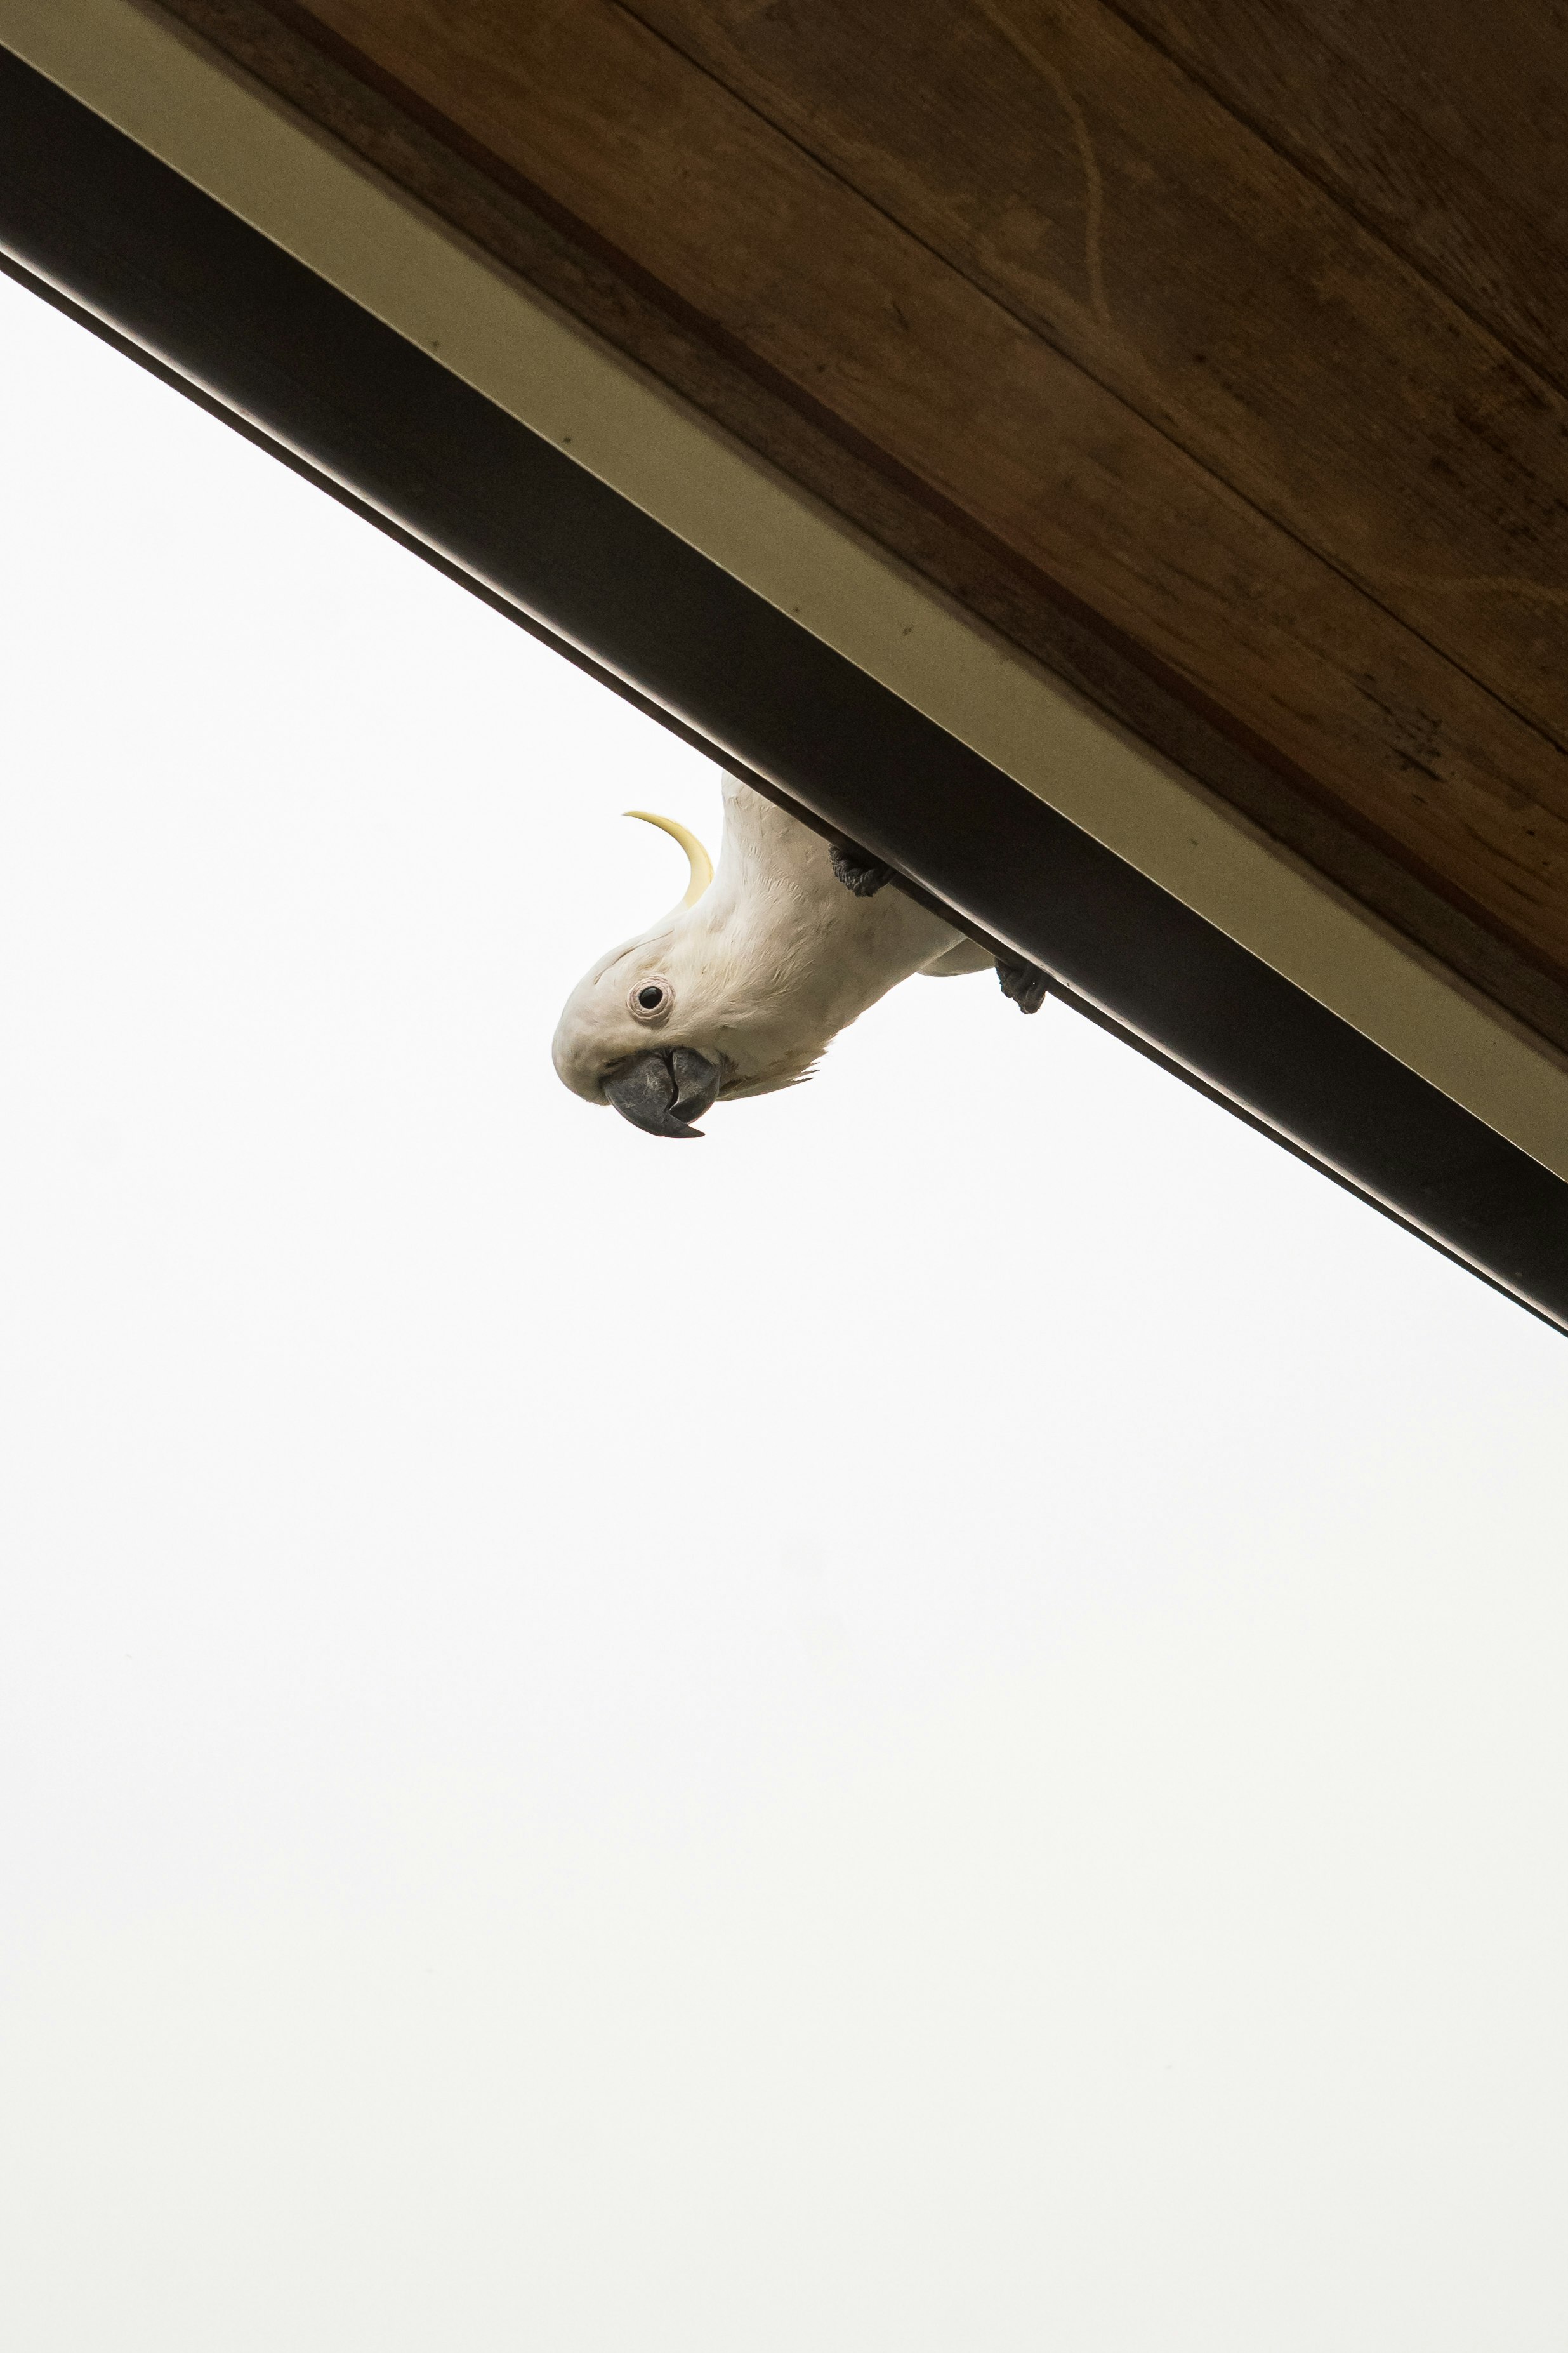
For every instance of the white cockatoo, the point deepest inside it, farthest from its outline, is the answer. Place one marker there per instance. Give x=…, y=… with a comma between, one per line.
x=741, y=988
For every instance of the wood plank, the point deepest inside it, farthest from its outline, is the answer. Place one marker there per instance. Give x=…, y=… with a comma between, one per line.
x=1048, y=152
x=1439, y=122
x=428, y=158
x=849, y=309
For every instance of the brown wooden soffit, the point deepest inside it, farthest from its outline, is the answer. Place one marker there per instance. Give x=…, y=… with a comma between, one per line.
x=1212, y=350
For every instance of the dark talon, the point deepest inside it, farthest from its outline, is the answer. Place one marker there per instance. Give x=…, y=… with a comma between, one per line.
x=1024, y=984
x=858, y=872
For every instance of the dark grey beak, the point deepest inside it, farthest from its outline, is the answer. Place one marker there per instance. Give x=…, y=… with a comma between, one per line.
x=664, y=1090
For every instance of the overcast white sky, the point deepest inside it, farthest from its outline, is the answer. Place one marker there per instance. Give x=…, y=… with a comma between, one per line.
x=939, y=1725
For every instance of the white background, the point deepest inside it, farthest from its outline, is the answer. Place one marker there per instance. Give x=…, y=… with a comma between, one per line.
x=938, y=1726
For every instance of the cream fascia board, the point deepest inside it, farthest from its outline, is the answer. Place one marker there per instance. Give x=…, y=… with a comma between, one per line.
x=166, y=90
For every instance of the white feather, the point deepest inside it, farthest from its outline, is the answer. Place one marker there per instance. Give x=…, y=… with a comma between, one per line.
x=773, y=961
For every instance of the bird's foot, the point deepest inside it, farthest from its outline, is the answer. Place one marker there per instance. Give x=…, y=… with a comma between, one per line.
x=858, y=872
x=1024, y=984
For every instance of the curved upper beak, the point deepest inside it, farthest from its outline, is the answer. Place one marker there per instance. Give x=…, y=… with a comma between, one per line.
x=663, y=1089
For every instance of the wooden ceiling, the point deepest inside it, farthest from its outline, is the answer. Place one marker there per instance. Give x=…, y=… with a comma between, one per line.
x=1212, y=350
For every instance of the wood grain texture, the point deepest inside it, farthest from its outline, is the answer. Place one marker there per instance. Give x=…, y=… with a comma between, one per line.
x=591, y=152
x=1089, y=186
x=422, y=151
x=1439, y=122
x=856, y=311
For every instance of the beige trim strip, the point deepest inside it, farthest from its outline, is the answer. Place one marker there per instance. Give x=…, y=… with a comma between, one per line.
x=243, y=146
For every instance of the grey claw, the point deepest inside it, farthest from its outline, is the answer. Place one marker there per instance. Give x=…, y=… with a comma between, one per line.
x=858, y=873
x=1024, y=984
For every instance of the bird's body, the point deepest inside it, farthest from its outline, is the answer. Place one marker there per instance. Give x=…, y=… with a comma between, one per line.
x=743, y=990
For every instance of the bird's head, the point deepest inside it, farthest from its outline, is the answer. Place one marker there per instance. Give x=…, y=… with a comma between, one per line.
x=655, y=1027
x=741, y=988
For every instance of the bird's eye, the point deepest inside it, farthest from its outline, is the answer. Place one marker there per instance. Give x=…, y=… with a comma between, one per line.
x=649, y=999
